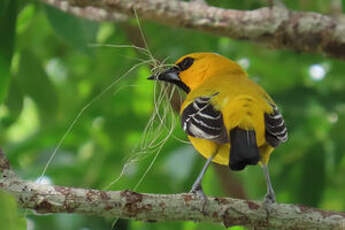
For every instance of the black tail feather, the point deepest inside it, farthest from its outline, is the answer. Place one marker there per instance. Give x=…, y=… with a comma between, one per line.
x=243, y=150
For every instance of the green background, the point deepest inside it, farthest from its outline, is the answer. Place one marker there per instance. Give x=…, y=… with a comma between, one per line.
x=49, y=73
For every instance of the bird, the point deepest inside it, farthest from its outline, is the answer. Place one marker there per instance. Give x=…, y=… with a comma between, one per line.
x=229, y=119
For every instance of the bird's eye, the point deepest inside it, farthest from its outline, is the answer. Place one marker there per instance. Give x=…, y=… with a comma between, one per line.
x=185, y=63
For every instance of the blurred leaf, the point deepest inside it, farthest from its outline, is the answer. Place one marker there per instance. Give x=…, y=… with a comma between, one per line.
x=312, y=182
x=337, y=136
x=121, y=224
x=25, y=17
x=8, y=11
x=9, y=215
x=14, y=103
x=77, y=32
x=36, y=84
x=236, y=228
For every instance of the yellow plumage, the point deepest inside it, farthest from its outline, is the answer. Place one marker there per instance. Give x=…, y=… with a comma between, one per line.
x=241, y=101
x=229, y=119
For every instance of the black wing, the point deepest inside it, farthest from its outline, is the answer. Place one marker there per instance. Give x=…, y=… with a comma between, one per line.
x=276, y=131
x=200, y=119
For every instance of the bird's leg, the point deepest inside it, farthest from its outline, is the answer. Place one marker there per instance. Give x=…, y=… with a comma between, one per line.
x=197, y=183
x=197, y=188
x=270, y=197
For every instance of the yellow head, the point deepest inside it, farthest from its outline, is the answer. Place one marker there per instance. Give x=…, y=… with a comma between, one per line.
x=193, y=69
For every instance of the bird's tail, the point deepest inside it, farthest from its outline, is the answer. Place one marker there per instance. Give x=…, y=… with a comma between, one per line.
x=243, y=146
x=243, y=149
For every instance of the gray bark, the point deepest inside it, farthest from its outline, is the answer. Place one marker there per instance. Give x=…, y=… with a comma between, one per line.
x=275, y=26
x=46, y=199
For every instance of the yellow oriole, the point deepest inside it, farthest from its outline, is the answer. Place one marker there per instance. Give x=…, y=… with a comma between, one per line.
x=229, y=119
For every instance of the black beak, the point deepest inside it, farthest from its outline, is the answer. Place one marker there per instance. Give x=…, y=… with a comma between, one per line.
x=171, y=75
x=152, y=77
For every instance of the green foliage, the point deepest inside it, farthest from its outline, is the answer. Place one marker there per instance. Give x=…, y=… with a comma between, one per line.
x=77, y=32
x=8, y=12
x=9, y=216
x=35, y=83
x=56, y=74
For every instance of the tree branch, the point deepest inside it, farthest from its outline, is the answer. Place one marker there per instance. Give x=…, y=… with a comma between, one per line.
x=91, y=13
x=152, y=207
x=274, y=26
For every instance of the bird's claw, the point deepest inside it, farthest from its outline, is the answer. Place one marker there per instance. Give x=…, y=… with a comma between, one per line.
x=198, y=191
x=269, y=199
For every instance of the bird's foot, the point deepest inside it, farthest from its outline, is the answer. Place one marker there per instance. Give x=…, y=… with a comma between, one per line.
x=269, y=199
x=198, y=191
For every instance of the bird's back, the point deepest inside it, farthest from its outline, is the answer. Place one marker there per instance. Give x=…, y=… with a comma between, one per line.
x=242, y=103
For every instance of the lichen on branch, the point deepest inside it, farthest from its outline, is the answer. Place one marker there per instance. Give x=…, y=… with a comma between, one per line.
x=275, y=26
x=49, y=199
